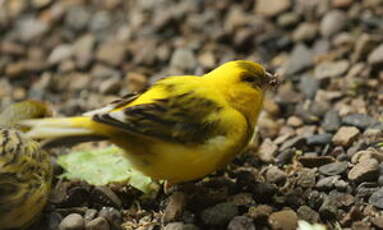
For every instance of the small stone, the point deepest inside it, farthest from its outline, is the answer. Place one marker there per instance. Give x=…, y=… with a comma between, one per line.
x=275, y=175
x=306, y=178
x=305, y=32
x=300, y=59
x=315, y=161
x=345, y=136
x=333, y=168
x=367, y=170
x=271, y=7
x=99, y=223
x=100, y=21
x=77, y=18
x=83, y=50
x=288, y=19
x=284, y=220
x=309, y=85
x=294, y=121
x=376, y=56
x=73, y=221
x=378, y=221
x=327, y=183
x=110, y=86
x=267, y=151
x=331, y=121
x=183, y=59
x=219, y=214
x=40, y=3
x=30, y=28
x=241, y=223
x=180, y=226
x=242, y=199
x=341, y=3
x=293, y=142
x=90, y=214
x=331, y=69
x=308, y=214
x=260, y=212
x=60, y=53
x=329, y=207
x=175, y=207
x=112, y=53
x=333, y=22
x=112, y=215
x=319, y=139
x=136, y=81
x=360, y=225
x=361, y=121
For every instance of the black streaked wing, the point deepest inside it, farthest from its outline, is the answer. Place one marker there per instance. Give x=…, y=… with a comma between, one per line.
x=181, y=118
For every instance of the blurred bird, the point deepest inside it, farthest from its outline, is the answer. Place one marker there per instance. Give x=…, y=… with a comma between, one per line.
x=182, y=128
x=25, y=169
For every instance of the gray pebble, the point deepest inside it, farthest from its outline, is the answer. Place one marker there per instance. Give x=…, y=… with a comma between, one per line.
x=241, y=223
x=99, y=223
x=183, y=59
x=333, y=22
x=376, y=199
x=319, y=139
x=309, y=85
x=180, y=226
x=301, y=58
x=331, y=121
x=333, y=168
x=73, y=221
x=361, y=121
x=376, y=56
x=219, y=214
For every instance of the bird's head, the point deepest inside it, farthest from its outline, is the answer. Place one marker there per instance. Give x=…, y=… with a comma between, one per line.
x=245, y=74
x=243, y=83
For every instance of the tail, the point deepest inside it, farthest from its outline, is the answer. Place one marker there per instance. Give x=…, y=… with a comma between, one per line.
x=62, y=131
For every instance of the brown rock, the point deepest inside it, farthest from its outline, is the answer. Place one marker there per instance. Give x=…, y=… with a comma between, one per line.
x=267, y=150
x=260, y=212
x=345, y=135
x=367, y=170
x=112, y=53
x=174, y=207
x=378, y=221
x=271, y=7
x=284, y=220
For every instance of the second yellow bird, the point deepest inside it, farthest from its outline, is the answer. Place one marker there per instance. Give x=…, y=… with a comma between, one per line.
x=180, y=129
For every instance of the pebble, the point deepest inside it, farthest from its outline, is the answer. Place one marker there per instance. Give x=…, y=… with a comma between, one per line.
x=286, y=220
x=345, y=135
x=300, y=59
x=60, y=53
x=331, y=121
x=267, y=150
x=331, y=69
x=306, y=178
x=376, y=199
x=319, y=139
x=366, y=170
x=305, y=32
x=333, y=168
x=361, y=121
x=183, y=59
x=112, y=53
x=110, y=86
x=315, y=161
x=333, y=22
x=219, y=214
x=309, y=85
x=112, y=215
x=376, y=56
x=329, y=207
x=260, y=212
x=30, y=28
x=180, y=226
x=308, y=214
x=288, y=19
x=175, y=207
x=77, y=17
x=73, y=221
x=100, y=21
x=294, y=121
x=275, y=175
x=378, y=221
x=98, y=223
x=327, y=183
x=241, y=223
x=83, y=50
x=271, y=8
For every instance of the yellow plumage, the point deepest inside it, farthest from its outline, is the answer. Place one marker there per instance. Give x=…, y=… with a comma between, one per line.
x=180, y=129
x=25, y=179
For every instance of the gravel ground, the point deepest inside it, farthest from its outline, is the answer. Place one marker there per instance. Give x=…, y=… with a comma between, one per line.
x=319, y=157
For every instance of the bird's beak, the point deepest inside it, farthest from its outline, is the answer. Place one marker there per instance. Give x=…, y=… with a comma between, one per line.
x=273, y=79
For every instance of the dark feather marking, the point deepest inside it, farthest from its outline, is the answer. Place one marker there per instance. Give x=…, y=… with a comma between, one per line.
x=176, y=119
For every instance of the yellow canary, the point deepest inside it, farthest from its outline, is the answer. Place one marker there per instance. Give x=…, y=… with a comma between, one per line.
x=25, y=169
x=25, y=179
x=182, y=128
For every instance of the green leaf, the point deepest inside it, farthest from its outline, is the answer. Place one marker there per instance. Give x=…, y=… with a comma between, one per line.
x=104, y=166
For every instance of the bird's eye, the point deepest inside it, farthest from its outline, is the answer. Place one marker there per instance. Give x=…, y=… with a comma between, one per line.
x=248, y=78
